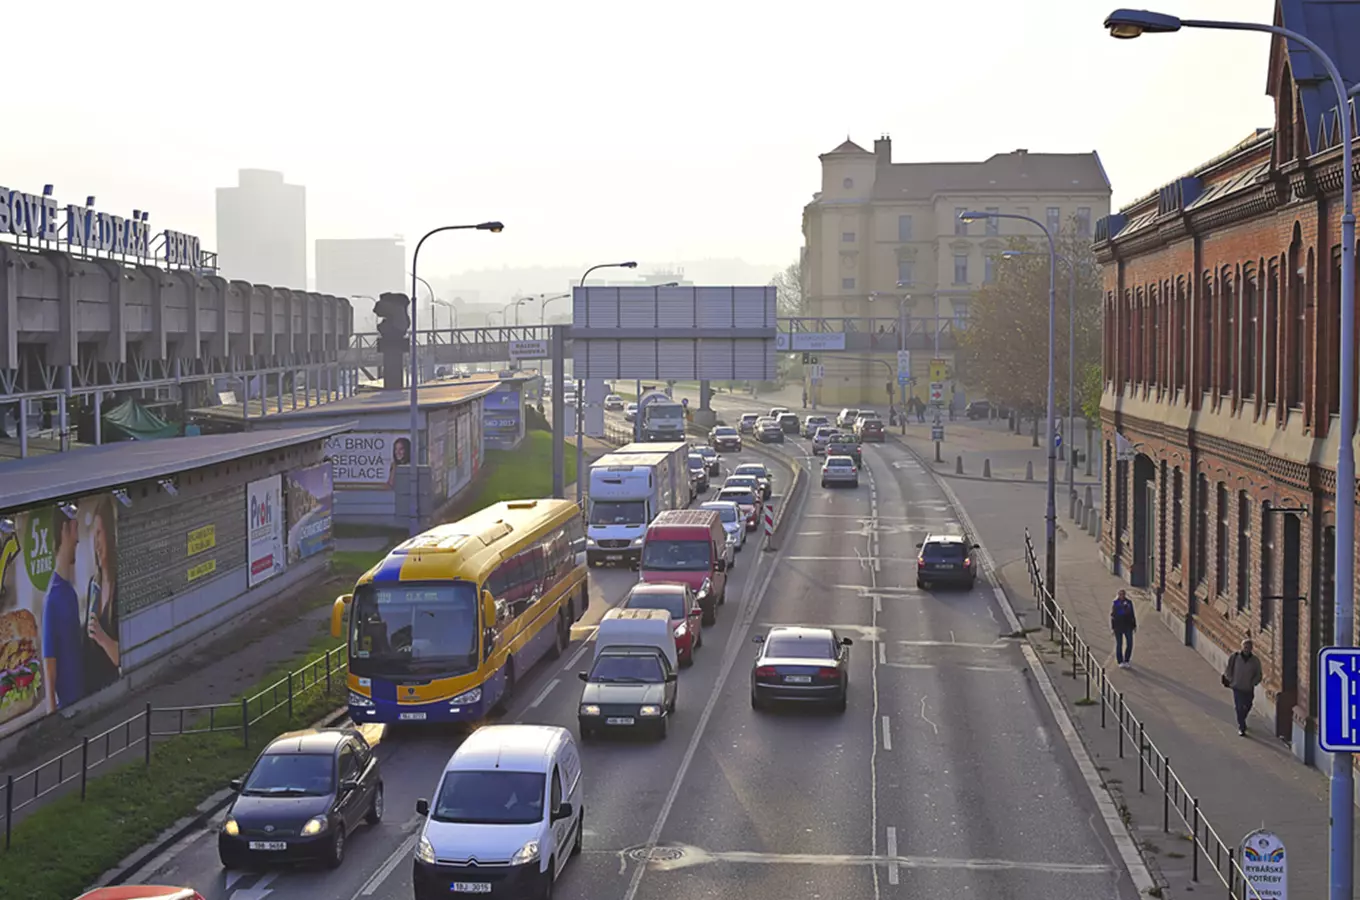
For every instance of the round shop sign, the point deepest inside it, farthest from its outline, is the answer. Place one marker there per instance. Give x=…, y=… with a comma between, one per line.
x=1265, y=864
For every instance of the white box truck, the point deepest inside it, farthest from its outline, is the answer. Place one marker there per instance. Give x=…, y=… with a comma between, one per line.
x=678, y=451
x=627, y=491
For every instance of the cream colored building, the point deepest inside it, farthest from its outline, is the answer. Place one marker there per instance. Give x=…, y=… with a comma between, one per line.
x=876, y=224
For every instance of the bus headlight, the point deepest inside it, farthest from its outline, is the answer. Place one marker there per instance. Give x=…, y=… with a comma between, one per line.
x=425, y=850
x=359, y=700
x=650, y=711
x=526, y=854
x=315, y=825
x=467, y=697
x=589, y=709
x=230, y=828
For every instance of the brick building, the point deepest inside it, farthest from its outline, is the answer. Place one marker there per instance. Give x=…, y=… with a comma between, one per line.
x=1221, y=394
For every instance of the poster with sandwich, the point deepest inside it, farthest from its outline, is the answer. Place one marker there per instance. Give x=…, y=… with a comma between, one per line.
x=59, y=640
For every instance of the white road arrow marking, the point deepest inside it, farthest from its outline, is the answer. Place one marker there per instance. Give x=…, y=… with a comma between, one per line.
x=257, y=891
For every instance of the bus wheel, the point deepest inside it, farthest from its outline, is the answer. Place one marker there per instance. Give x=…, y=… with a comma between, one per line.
x=562, y=638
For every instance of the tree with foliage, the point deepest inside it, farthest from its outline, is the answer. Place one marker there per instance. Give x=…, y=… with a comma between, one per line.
x=1089, y=390
x=1005, y=344
x=789, y=290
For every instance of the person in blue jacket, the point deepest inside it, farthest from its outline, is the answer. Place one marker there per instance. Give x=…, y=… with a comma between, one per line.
x=1123, y=622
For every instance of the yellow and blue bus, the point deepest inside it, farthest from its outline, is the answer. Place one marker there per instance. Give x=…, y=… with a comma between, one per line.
x=439, y=630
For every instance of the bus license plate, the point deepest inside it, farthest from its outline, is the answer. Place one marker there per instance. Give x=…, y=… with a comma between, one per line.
x=472, y=887
x=268, y=845
x=619, y=720
x=412, y=717
x=798, y=679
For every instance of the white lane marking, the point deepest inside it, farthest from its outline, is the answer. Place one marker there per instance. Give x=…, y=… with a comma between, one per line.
x=860, y=518
x=901, y=665
x=873, y=744
x=926, y=718
x=575, y=657
x=892, y=855
x=999, y=645
x=878, y=603
x=736, y=641
x=543, y=694
x=384, y=872
x=697, y=856
x=882, y=654
x=257, y=891
x=858, y=559
x=887, y=745
x=1119, y=831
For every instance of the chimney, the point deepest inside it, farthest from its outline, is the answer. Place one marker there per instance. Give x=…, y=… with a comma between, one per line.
x=1021, y=152
x=883, y=151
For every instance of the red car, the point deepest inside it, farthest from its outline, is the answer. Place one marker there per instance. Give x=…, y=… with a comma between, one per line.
x=689, y=546
x=141, y=892
x=678, y=600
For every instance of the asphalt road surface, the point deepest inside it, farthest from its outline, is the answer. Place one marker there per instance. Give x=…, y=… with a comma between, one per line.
x=946, y=776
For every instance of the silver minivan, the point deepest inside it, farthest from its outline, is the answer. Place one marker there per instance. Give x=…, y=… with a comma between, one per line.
x=507, y=815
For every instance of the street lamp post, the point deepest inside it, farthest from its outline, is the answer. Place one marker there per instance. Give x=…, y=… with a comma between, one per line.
x=453, y=312
x=413, y=372
x=1128, y=23
x=434, y=298
x=543, y=305
x=505, y=313
x=581, y=393
x=1051, y=510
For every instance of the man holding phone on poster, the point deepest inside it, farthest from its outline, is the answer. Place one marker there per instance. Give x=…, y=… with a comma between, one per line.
x=63, y=637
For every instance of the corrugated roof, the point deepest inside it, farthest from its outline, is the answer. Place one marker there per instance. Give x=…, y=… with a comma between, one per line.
x=1335, y=26
x=58, y=476
x=1016, y=172
x=428, y=396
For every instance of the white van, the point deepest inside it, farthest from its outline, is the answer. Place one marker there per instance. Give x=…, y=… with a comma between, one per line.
x=507, y=815
x=638, y=628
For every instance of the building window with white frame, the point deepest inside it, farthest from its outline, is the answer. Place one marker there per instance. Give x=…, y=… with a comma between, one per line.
x=906, y=271
x=960, y=268
x=961, y=315
x=993, y=224
x=1053, y=219
x=904, y=228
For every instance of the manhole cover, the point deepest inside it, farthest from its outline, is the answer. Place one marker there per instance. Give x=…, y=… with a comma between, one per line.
x=656, y=854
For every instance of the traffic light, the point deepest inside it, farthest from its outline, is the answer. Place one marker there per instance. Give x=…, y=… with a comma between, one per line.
x=809, y=359
x=394, y=320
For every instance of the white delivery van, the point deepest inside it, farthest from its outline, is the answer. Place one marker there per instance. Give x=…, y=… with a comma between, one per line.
x=507, y=815
x=638, y=628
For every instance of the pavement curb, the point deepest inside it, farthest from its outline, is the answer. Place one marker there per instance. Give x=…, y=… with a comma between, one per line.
x=1130, y=851
x=214, y=804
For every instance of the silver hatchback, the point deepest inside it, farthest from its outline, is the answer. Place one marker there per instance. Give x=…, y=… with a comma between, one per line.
x=839, y=470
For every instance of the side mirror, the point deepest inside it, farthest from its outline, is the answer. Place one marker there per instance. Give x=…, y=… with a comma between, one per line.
x=422, y=807
x=977, y=546
x=237, y=784
x=846, y=642
x=584, y=676
x=758, y=639
x=920, y=545
x=349, y=784
x=564, y=811
x=672, y=678
x=722, y=565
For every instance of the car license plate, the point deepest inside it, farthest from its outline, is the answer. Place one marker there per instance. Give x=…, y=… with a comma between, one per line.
x=609, y=556
x=945, y=566
x=619, y=720
x=471, y=887
x=798, y=679
x=268, y=845
x=412, y=717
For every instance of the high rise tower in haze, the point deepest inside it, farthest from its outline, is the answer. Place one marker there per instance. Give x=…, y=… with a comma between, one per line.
x=367, y=267
x=262, y=230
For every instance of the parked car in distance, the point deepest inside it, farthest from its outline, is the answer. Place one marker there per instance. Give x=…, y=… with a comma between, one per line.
x=847, y=417
x=762, y=475
x=823, y=436
x=711, y=458
x=846, y=446
x=613, y=402
x=812, y=423
x=301, y=799
x=983, y=409
x=769, y=431
x=724, y=437
x=789, y=422
x=698, y=472
x=946, y=559
x=748, y=422
x=801, y=664
x=839, y=470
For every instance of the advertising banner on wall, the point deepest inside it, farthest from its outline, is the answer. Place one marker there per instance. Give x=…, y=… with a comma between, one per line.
x=58, y=579
x=500, y=418
x=264, y=529
x=309, y=496
x=367, y=460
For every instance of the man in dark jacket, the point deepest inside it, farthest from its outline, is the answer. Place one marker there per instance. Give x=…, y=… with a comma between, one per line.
x=1123, y=622
x=1243, y=674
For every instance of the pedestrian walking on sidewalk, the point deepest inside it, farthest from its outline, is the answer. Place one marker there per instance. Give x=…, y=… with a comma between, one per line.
x=1123, y=622
x=1242, y=675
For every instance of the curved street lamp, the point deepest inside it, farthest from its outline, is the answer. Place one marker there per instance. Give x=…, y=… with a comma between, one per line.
x=581, y=391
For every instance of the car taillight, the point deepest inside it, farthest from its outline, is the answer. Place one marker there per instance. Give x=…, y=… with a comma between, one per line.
x=765, y=672
x=920, y=563
x=967, y=563
x=832, y=674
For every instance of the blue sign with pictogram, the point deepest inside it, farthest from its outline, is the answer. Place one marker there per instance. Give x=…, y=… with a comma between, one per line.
x=1338, y=714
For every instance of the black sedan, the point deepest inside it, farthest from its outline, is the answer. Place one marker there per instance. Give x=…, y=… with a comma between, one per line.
x=698, y=472
x=946, y=559
x=711, y=458
x=801, y=664
x=306, y=792
x=724, y=437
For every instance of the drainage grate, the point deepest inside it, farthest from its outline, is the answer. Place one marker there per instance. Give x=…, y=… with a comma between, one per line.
x=656, y=854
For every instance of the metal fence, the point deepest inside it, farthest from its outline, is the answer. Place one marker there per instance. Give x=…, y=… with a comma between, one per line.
x=139, y=732
x=1177, y=800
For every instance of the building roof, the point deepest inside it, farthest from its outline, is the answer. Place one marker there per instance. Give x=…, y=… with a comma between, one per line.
x=436, y=395
x=58, y=476
x=848, y=146
x=1335, y=26
x=1018, y=172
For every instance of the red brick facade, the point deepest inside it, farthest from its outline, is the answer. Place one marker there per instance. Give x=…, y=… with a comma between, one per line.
x=1221, y=310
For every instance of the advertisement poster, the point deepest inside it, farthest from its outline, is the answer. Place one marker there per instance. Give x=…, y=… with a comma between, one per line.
x=58, y=616
x=368, y=459
x=264, y=528
x=475, y=445
x=500, y=418
x=309, y=495
x=438, y=424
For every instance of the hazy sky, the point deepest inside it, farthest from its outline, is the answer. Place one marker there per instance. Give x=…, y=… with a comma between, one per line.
x=598, y=129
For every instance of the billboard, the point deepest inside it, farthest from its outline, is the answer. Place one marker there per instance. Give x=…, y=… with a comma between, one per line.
x=59, y=639
x=309, y=495
x=501, y=418
x=368, y=460
x=264, y=529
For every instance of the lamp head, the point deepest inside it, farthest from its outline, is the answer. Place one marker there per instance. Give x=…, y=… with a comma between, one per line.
x=1127, y=24
x=628, y=265
x=1011, y=254
x=493, y=227
x=974, y=216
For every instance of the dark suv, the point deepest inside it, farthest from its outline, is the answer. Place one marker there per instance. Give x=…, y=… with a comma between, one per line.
x=946, y=559
x=789, y=422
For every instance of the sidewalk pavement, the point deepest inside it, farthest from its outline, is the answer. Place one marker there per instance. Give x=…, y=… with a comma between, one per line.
x=980, y=441
x=1241, y=784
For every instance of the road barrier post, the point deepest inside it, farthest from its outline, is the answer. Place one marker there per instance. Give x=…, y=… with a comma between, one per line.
x=769, y=527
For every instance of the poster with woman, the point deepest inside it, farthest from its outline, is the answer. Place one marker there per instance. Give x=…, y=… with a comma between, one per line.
x=59, y=639
x=309, y=495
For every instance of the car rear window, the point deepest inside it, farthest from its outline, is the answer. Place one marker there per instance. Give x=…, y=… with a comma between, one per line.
x=841, y=462
x=946, y=552
x=737, y=495
x=800, y=648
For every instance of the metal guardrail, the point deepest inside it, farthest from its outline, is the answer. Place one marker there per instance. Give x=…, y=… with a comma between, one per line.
x=1220, y=856
x=141, y=731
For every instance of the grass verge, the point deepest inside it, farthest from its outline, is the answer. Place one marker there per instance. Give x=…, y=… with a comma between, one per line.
x=519, y=474
x=61, y=848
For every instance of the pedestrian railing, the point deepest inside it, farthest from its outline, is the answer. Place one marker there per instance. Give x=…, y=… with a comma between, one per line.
x=139, y=732
x=1132, y=736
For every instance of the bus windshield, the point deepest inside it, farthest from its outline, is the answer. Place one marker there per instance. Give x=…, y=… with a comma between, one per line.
x=410, y=629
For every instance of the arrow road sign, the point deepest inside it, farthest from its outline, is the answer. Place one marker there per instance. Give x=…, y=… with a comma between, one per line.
x=1339, y=730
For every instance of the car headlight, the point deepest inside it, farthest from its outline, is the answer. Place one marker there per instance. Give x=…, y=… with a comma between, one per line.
x=704, y=588
x=425, y=850
x=681, y=630
x=315, y=825
x=650, y=711
x=472, y=696
x=589, y=709
x=590, y=542
x=526, y=854
x=359, y=700
x=637, y=542
x=230, y=828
